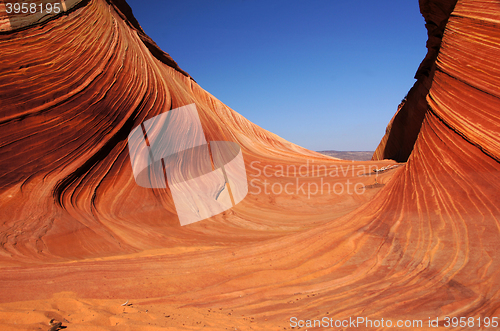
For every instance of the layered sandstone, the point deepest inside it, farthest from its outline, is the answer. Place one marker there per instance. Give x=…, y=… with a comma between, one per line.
x=403, y=129
x=79, y=237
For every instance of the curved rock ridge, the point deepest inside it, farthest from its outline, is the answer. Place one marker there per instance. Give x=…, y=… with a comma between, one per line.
x=480, y=18
x=78, y=233
x=68, y=106
x=404, y=127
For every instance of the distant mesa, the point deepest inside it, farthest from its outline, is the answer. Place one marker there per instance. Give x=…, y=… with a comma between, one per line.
x=349, y=155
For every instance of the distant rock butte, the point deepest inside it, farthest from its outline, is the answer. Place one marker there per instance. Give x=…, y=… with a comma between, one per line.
x=349, y=155
x=76, y=232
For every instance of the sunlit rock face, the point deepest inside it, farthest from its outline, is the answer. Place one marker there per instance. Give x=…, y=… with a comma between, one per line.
x=452, y=173
x=73, y=87
x=420, y=241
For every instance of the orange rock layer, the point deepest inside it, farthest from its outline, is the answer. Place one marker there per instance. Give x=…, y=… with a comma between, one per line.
x=404, y=127
x=421, y=241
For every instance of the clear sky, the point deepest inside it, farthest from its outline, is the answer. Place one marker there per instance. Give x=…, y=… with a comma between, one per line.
x=326, y=75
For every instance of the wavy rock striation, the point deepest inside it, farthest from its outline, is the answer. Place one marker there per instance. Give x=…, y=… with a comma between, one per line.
x=420, y=241
x=70, y=97
x=404, y=127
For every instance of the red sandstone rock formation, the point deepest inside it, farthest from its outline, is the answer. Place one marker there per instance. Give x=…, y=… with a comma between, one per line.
x=403, y=129
x=78, y=236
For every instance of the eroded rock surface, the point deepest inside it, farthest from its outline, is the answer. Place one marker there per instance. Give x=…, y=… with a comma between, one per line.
x=79, y=237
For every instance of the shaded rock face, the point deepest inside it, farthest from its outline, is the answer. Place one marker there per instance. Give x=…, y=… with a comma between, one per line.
x=403, y=129
x=421, y=242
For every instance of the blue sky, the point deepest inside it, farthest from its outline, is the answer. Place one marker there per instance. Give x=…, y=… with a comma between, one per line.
x=326, y=75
